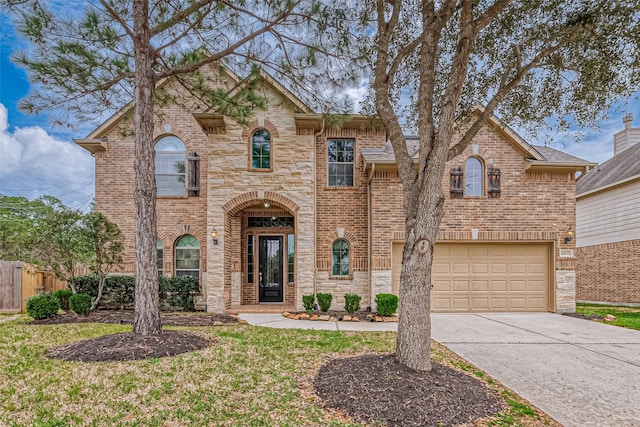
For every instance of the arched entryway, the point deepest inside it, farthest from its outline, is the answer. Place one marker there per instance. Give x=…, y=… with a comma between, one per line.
x=260, y=250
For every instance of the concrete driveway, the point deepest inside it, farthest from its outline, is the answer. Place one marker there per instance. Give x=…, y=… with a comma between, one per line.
x=581, y=373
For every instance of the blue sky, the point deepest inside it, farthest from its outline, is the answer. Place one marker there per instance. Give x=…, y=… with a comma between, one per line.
x=38, y=159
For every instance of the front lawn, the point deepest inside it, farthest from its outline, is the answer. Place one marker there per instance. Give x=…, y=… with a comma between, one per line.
x=628, y=317
x=248, y=376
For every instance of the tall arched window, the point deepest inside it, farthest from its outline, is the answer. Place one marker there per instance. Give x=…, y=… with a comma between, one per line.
x=340, y=258
x=171, y=166
x=261, y=149
x=473, y=177
x=187, y=257
x=160, y=252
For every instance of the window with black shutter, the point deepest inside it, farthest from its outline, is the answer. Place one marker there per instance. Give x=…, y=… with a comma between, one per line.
x=193, y=184
x=494, y=182
x=456, y=183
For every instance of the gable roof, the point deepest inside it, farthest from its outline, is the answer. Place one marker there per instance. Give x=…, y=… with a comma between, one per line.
x=94, y=142
x=621, y=168
x=535, y=155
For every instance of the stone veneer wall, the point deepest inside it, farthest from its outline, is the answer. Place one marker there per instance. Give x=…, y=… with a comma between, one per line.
x=357, y=284
x=233, y=187
x=609, y=272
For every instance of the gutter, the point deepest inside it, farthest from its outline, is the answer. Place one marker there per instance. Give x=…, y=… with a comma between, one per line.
x=371, y=172
x=315, y=206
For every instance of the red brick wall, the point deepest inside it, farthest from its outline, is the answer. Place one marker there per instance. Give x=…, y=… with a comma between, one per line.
x=344, y=207
x=529, y=205
x=176, y=215
x=609, y=272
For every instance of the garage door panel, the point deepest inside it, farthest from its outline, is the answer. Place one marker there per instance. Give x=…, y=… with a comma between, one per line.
x=460, y=268
x=460, y=286
x=487, y=277
x=499, y=286
x=479, y=285
x=517, y=268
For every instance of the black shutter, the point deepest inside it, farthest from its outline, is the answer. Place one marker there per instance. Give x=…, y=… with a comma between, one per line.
x=456, y=183
x=494, y=182
x=193, y=184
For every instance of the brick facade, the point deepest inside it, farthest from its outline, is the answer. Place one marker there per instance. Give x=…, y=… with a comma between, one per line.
x=609, y=273
x=534, y=205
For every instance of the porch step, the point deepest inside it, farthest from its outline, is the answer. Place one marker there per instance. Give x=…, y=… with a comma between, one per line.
x=259, y=308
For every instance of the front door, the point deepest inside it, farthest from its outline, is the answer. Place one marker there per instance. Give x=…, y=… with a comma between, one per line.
x=270, y=269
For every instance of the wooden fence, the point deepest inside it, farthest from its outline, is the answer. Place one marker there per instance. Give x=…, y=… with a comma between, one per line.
x=20, y=281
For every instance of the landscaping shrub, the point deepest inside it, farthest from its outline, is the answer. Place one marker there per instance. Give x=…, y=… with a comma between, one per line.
x=324, y=301
x=63, y=296
x=307, y=302
x=119, y=289
x=80, y=304
x=87, y=285
x=387, y=304
x=43, y=305
x=180, y=291
x=352, y=303
x=117, y=293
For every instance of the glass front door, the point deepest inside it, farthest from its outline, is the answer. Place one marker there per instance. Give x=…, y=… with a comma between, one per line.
x=270, y=270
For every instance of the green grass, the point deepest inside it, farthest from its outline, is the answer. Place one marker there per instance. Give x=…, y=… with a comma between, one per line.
x=249, y=376
x=627, y=317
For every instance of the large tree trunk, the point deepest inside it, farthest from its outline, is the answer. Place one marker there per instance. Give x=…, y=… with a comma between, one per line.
x=146, y=319
x=414, y=321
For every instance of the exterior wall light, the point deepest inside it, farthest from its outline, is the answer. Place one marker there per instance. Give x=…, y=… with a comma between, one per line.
x=214, y=236
x=569, y=236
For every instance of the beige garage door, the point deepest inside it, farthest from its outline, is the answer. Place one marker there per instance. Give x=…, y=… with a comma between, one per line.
x=486, y=277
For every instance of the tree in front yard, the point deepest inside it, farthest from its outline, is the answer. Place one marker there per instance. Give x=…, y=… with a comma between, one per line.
x=433, y=61
x=105, y=240
x=116, y=50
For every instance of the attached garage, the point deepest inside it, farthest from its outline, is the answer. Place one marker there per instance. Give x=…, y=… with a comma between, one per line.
x=476, y=277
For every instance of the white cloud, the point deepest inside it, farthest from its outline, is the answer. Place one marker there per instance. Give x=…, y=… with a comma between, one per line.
x=34, y=163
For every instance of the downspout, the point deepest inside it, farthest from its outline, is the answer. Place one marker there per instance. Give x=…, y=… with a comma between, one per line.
x=315, y=206
x=373, y=170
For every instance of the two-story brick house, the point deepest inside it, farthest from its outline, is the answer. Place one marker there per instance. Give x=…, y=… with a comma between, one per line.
x=288, y=205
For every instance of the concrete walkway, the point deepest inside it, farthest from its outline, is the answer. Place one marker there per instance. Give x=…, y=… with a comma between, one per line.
x=581, y=373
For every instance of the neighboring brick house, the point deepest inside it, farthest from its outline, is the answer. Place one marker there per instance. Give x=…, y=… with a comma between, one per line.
x=289, y=206
x=607, y=232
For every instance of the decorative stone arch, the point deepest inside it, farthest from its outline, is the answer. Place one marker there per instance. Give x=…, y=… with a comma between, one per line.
x=260, y=123
x=160, y=132
x=341, y=233
x=485, y=156
x=246, y=200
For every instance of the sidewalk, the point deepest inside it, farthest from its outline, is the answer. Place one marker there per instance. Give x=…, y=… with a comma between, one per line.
x=281, y=322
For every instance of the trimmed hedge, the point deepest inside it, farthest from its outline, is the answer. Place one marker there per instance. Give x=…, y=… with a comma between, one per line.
x=351, y=303
x=324, y=301
x=387, y=304
x=80, y=304
x=63, y=296
x=180, y=291
x=43, y=305
x=308, y=301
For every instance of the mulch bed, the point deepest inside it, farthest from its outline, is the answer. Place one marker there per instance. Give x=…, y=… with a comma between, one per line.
x=584, y=316
x=126, y=317
x=130, y=346
x=375, y=388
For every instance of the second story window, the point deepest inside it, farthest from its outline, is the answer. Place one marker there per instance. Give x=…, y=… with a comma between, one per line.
x=340, y=162
x=170, y=161
x=261, y=149
x=473, y=177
